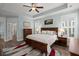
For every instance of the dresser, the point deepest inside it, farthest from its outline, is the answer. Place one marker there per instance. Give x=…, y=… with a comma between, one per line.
x=26, y=32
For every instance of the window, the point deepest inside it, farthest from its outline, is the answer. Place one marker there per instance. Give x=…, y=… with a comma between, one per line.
x=68, y=24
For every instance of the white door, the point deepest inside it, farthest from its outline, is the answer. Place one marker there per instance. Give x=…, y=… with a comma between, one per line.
x=11, y=28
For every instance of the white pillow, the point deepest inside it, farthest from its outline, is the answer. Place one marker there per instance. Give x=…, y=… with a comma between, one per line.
x=48, y=32
x=44, y=32
x=51, y=32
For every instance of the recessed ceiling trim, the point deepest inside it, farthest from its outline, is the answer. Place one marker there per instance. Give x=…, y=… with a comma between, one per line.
x=52, y=10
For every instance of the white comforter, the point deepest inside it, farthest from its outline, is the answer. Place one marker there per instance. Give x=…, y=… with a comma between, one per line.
x=44, y=38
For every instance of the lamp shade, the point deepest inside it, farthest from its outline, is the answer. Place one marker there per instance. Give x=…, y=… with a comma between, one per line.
x=37, y=29
x=61, y=30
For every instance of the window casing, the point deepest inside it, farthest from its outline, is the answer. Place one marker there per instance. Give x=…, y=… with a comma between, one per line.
x=69, y=25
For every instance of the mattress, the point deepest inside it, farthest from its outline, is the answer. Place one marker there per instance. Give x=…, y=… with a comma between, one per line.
x=44, y=38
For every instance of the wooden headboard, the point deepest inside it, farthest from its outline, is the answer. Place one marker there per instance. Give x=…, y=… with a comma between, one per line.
x=51, y=29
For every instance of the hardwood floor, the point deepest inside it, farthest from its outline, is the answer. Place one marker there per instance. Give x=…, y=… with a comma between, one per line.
x=12, y=43
x=63, y=50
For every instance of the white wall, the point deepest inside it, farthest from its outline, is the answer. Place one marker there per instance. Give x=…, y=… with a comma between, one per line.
x=57, y=19
x=31, y=22
x=40, y=22
x=21, y=20
x=20, y=29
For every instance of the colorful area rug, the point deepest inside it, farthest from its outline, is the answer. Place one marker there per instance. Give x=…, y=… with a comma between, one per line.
x=55, y=53
x=26, y=50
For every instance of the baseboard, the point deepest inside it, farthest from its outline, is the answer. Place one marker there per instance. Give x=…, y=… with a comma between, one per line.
x=73, y=54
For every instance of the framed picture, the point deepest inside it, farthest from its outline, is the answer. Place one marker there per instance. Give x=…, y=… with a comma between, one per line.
x=49, y=21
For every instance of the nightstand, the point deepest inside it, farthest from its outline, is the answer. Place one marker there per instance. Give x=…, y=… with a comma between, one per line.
x=26, y=32
x=62, y=41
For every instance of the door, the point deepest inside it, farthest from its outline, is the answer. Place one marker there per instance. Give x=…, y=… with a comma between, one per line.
x=3, y=28
x=11, y=29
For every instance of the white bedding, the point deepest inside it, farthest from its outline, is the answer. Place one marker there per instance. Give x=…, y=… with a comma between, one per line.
x=44, y=38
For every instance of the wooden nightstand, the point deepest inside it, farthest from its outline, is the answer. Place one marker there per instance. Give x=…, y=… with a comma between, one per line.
x=62, y=41
x=26, y=32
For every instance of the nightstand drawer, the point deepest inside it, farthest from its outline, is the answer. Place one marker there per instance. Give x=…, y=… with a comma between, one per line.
x=61, y=41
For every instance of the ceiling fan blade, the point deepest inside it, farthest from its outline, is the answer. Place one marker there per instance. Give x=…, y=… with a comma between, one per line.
x=30, y=10
x=40, y=7
x=37, y=10
x=26, y=6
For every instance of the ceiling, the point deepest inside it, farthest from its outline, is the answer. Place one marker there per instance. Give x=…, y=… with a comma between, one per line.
x=15, y=9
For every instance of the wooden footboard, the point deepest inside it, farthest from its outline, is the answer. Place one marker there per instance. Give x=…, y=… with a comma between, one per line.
x=37, y=45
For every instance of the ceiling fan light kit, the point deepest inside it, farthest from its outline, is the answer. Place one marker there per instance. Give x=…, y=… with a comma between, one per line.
x=33, y=7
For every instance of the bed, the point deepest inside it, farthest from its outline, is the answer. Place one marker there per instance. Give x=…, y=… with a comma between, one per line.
x=42, y=41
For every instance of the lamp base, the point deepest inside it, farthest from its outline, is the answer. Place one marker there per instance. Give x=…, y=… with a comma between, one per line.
x=61, y=35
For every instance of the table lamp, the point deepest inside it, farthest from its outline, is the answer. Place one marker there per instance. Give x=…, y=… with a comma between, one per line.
x=61, y=31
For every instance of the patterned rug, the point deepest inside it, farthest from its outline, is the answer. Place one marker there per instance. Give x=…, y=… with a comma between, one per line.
x=26, y=50
x=55, y=53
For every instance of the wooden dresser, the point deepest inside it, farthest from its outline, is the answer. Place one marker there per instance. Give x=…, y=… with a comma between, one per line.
x=26, y=32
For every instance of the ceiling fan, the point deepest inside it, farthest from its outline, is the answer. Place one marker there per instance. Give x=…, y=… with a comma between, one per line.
x=34, y=7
